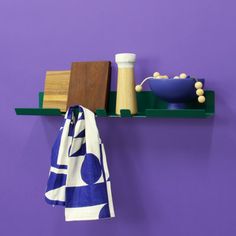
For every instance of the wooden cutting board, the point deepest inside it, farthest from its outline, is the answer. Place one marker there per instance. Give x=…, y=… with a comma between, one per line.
x=56, y=89
x=89, y=84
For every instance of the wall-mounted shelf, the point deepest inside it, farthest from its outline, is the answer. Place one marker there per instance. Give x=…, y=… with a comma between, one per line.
x=148, y=106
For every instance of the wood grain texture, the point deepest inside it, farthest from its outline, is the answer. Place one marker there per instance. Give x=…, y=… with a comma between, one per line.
x=89, y=84
x=56, y=89
x=126, y=95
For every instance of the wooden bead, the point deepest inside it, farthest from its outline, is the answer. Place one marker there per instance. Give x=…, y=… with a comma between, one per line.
x=138, y=88
x=182, y=76
x=201, y=99
x=200, y=92
x=156, y=74
x=164, y=77
x=198, y=85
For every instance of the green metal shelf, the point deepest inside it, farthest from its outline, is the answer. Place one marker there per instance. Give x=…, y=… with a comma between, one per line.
x=149, y=105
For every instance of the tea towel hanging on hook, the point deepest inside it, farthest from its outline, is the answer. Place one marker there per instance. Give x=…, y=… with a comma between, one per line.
x=79, y=176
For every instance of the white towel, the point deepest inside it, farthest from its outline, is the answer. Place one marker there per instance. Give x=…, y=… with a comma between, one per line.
x=79, y=176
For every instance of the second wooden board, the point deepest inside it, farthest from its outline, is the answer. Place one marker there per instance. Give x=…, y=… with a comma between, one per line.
x=89, y=84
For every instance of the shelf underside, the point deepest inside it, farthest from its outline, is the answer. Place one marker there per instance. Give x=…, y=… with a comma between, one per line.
x=149, y=105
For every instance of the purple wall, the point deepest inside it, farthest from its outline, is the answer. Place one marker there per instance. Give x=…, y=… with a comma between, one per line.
x=170, y=176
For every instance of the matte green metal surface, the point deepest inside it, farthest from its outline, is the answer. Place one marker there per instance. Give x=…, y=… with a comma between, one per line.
x=149, y=105
x=38, y=111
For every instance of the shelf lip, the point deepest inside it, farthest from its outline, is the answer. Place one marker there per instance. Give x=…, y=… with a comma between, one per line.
x=149, y=113
x=38, y=111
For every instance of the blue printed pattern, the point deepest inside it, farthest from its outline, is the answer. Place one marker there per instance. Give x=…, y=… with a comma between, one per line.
x=79, y=176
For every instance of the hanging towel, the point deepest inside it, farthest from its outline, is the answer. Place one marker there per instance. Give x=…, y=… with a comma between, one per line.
x=79, y=176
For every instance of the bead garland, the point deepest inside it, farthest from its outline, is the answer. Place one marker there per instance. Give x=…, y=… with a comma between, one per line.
x=198, y=85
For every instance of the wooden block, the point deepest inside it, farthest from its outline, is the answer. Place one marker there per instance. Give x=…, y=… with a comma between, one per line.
x=56, y=89
x=89, y=84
